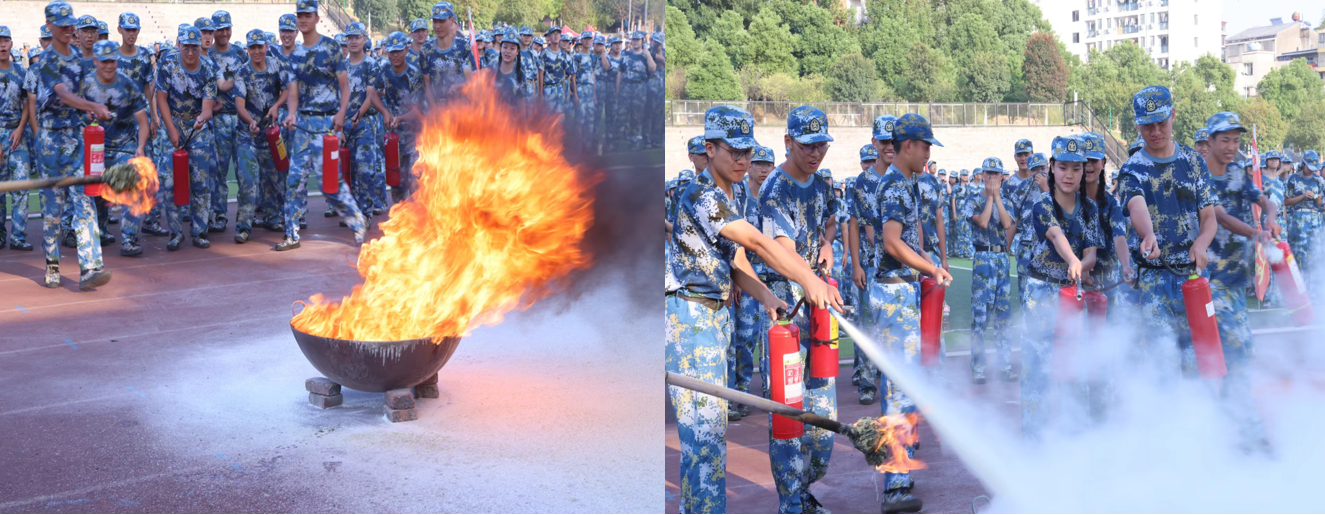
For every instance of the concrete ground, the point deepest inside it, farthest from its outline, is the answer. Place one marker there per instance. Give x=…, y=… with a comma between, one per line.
x=178, y=387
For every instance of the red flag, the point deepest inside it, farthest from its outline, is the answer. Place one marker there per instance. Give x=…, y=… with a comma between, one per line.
x=473, y=43
x=1262, y=277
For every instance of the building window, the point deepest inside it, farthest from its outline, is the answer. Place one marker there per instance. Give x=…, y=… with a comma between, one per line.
x=1246, y=69
x=1076, y=37
x=1196, y=19
x=1076, y=15
x=1196, y=42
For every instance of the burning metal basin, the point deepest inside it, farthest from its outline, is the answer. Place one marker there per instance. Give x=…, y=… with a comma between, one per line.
x=376, y=366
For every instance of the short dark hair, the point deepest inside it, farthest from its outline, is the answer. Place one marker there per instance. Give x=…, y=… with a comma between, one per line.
x=897, y=145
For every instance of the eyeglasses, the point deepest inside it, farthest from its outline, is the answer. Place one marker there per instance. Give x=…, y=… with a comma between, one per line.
x=738, y=155
x=821, y=146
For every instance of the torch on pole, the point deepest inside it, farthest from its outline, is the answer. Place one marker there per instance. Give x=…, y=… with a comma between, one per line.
x=981, y=458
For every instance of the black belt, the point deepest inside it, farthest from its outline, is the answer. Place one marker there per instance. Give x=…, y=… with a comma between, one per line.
x=317, y=113
x=906, y=279
x=1047, y=279
x=9, y=126
x=993, y=248
x=1144, y=265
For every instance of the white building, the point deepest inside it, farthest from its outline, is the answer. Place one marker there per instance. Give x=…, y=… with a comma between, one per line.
x=1254, y=52
x=1172, y=31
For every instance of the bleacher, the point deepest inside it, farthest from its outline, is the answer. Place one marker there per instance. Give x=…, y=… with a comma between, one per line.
x=160, y=20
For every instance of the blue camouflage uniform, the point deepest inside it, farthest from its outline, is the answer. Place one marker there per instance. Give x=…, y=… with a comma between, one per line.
x=991, y=303
x=962, y=234
x=225, y=121
x=363, y=137
x=1306, y=216
x=1174, y=189
x=123, y=98
x=60, y=139
x=185, y=91
x=412, y=56
x=445, y=67
x=800, y=212
x=634, y=93
x=698, y=282
x=751, y=319
x=260, y=90
x=605, y=85
x=401, y=93
x=1113, y=223
x=864, y=207
x=316, y=69
x=895, y=292
x=558, y=72
x=586, y=94
x=1048, y=274
x=1019, y=204
x=16, y=165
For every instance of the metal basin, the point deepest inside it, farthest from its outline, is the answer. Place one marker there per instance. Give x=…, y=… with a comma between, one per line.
x=375, y=366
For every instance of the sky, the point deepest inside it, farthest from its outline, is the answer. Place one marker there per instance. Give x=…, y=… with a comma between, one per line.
x=1244, y=14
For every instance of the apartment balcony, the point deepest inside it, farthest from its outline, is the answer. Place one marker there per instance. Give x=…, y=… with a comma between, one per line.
x=1129, y=7
x=1163, y=25
x=1163, y=49
x=1131, y=29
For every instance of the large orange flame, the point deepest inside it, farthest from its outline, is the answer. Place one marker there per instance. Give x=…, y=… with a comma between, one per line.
x=498, y=215
x=897, y=432
x=140, y=198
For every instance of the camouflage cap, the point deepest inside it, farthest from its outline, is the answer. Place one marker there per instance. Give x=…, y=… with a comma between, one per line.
x=395, y=41
x=129, y=21
x=105, y=50
x=992, y=164
x=417, y=25
x=1202, y=134
x=869, y=153
x=86, y=21
x=883, y=127
x=204, y=24
x=60, y=14
x=189, y=35
x=1311, y=159
x=1136, y=145
x=1153, y=104
x=256, y=37
x=731, y=124
x=762, y=155
x=443, y=11
x=912, y=126
x=221, y=20
x=4, y=33
x=45, y=32
x=356, y=29
x=287, y=22
x=1069, y=149
x=1023, y=146
x=696, y=145
x=808, y=125
x=1036, y=160
x=1223, y=122
x=102, y=28
x=526, y=31
x=306, y=6
x=1094, y=143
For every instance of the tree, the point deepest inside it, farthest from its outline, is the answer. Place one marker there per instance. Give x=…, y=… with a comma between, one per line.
x=1308, y=132
x=682, y=48
x=1290, y=87
x=1193, y=103
x=411, y=9
x=729, y=29
x=1271, y=128
x=927, y=76
x=821, y=40
x=893, y=27
x=1110, y=78
x=712, y=77
x=986, y=79
x=576, y=13
x=851, y=79
x=771, y=43
x=384, y=15
x=1044, y=68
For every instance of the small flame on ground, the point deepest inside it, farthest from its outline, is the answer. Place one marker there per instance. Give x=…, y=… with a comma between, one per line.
x=139, y=197
x=498, y=216
x=897, y=433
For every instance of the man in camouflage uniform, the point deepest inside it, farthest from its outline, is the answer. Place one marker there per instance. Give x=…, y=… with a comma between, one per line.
x=991, y=303
x=587, y=62
x=448, y=61
x=751, y=319
x=260, y=86
x=708, y=257
x=399, y=86
x=363, y=134
x=418, y=33
x=799, y=212
x=653, y=119
x=186, y=91
x=1304, y=194
x=1167, y=191
x=1232, y=264
x=607, y=80
x=136, y=64
x=862, y=223
x=637, y=64
x=317, y=108
x=59, y=119
x=558, y=74
x=15, y=159
x=894, y=296
x=225, y=123
x=127, y=128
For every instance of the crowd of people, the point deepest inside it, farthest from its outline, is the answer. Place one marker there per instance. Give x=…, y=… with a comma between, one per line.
x=217, y=99
x=748, y=236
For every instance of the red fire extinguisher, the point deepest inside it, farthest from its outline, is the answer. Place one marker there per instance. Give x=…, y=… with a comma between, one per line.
x=392, y=159
x=330, y=164
x=823, y=346
x=1292, y=287
x=1205, y=331
x=1068, y=331
x=94, y=156
x=1097, y=309
x=276, y=145
x=786, y=373
x=179, y=165
x=931, y=320
x=347, y=167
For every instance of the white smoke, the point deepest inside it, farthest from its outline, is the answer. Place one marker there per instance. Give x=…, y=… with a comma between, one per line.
x=1274, y=254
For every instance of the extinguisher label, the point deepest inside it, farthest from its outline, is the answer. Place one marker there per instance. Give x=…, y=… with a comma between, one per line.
x=792, y=372
x=280, y=148
x=335, y=156
x=1210, y=309
x=97, y=159
x=1297, y=276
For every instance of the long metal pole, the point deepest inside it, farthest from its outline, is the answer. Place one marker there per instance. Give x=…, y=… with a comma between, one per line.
x=778, y=408
x=980, y=457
